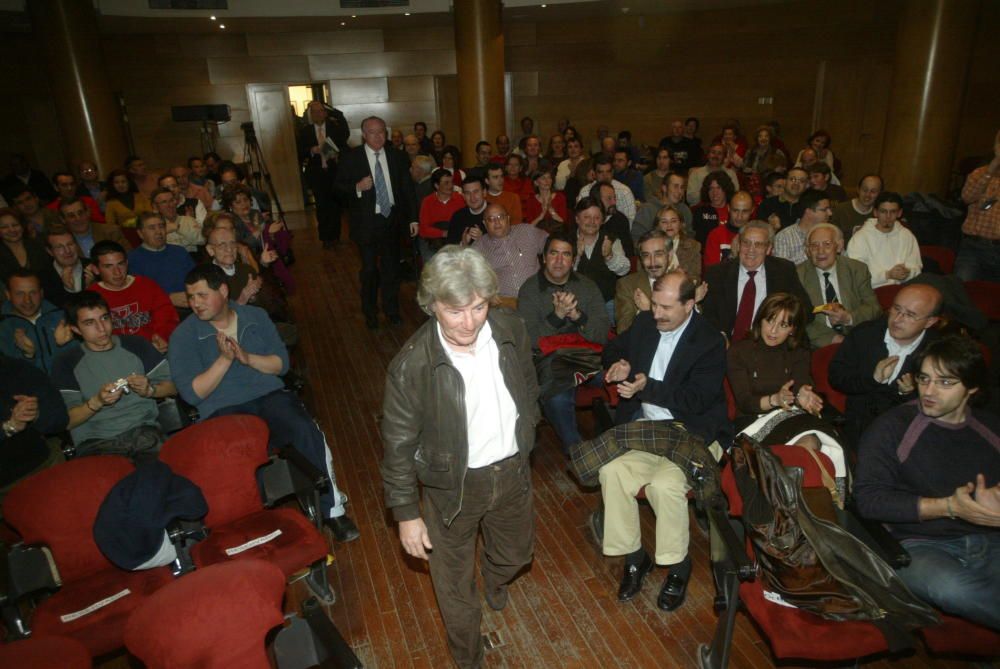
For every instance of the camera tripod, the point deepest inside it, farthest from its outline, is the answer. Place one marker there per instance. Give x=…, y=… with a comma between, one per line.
x=257, y=172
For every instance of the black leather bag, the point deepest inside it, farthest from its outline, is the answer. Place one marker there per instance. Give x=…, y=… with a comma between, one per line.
x=811, y=561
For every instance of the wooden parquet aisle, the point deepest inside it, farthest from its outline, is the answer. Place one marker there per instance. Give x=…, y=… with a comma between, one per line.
x=562, y=613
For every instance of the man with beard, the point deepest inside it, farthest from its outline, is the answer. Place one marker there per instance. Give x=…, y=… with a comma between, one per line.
x=633, y=292
x=929, y=470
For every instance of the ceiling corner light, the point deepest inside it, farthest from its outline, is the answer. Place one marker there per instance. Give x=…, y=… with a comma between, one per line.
x=222, y=26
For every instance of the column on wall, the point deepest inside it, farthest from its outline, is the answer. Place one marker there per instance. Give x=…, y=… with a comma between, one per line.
x=479, y=58
x=88, y=113
x=933, y=46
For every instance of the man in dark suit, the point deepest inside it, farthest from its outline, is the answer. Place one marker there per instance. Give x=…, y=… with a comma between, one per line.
x=737, y=287
x=876, y=363
x=669, y=365
x=319, y=144
x=841, y=285
x=375, y=180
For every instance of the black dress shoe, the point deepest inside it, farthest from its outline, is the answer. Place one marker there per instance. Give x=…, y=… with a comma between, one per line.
x=632, y=580
x=343, y=528
x=497, y=598
x=371, y=322
x=672, y=593
x=597, y=525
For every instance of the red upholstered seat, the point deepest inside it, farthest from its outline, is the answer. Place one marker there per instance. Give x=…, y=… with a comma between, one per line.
x=942, y=255
x=216, y=617
x=221, y=456
x=45, y=653
x=961, y=637
x=986, y=296
x=886, y=294
x=57, y=508
x=793, y=633
x=821, y=377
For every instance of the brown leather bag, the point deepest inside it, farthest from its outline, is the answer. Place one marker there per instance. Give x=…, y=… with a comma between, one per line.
x=806, y=557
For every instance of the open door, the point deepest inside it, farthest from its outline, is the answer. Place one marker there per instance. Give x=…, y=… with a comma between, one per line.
x=271, y=112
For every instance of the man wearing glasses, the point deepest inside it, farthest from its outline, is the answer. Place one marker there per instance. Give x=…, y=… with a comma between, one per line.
x=929, y=470
x=511, y=250
x=875, y=365
x=782, y=210
x=841, y=286
x=737, y=286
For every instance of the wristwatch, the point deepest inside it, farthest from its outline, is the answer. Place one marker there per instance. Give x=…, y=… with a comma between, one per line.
x=9, y=429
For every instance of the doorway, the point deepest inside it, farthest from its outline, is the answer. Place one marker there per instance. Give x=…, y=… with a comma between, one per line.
x=300, y=95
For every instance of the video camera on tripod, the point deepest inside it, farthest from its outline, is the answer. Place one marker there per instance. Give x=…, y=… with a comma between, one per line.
x=253, y=158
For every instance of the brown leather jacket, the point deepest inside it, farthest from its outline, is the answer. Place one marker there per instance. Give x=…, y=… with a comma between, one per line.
x=424, y=425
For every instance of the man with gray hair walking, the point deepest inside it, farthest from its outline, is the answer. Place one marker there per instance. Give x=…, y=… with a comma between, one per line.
x=461, y=404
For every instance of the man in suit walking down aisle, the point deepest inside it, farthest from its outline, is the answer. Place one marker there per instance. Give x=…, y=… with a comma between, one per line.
x=374, y=179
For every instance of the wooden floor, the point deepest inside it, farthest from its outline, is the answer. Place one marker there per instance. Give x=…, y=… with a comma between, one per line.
x=563, y=612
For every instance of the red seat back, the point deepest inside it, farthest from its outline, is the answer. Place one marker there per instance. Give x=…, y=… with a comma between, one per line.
x=221, y=456
x=791, y=456
x=215, y=617
x=986, y=296
x=47, y=652
x=57, y=507
x=731, y=410
x=820, y=368
x=886, y=294
x=942, y=255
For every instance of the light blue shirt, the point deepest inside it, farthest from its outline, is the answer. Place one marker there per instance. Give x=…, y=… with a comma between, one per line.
x=658, y=368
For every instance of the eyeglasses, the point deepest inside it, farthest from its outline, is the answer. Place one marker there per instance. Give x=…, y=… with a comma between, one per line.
x=496, y=218
x=943, y=382
x=821, y=245
x=906, y=315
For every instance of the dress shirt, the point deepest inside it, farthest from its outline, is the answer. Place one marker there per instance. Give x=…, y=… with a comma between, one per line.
x=658, y=369
x=760, y=281
x=514, y=258
x=382, y=165
x=490, y=413
x=895, y=348
x=979, y=222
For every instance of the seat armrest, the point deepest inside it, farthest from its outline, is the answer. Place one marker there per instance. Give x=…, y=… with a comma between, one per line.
x=183, y=534
x=28, y=570
x=875, y=536
x=290, y=473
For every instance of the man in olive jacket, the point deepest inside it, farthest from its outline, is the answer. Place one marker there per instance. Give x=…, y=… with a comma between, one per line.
x=461, y=404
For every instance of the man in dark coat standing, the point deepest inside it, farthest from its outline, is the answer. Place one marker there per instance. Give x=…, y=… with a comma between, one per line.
x=374, y=178
x=319, y=144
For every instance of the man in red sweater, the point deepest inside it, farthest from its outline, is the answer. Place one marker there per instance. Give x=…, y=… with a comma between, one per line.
x=138, y=305
x=436, y=211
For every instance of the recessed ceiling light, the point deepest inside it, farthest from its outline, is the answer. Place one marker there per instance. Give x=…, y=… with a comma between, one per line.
x=544, y=6
x=406, y=13
x=342, y=23
x=354, y=16
x=212, y=17
x=222, y=26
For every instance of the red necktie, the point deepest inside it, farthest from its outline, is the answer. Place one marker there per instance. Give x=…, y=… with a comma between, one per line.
x=744, y=313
